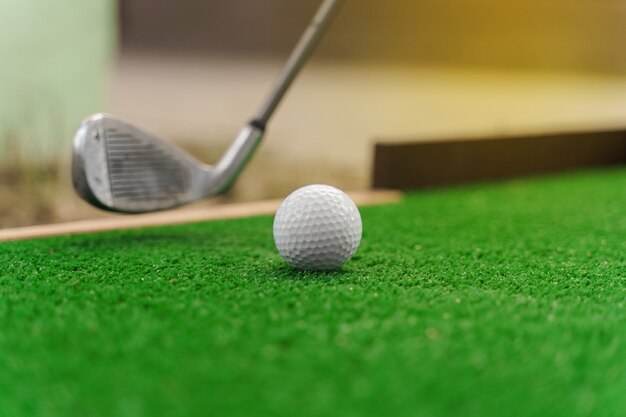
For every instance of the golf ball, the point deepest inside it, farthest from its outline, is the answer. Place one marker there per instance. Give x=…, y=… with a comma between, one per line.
x=317, y=227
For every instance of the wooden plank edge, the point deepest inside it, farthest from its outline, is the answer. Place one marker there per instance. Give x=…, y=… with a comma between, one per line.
x=181, y=216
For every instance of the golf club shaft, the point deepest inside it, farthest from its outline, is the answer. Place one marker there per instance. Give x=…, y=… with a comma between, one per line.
x=298, y=58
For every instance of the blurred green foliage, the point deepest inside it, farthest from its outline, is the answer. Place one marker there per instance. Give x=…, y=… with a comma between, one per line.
x=55, y=57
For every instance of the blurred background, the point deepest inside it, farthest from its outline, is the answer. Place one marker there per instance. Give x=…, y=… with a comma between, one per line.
x=194, y=71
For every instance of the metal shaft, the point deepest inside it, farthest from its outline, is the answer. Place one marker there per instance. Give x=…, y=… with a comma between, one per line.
x=298, y=58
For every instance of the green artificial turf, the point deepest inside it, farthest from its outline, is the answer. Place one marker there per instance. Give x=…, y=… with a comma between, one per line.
x=491, y=300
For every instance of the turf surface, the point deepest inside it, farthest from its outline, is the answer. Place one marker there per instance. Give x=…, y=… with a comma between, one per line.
x=494, y=300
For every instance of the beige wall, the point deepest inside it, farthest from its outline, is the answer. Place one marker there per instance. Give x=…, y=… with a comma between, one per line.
x=585, y=35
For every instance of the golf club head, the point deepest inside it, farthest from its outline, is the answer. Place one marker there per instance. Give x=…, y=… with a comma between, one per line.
x=118, y=167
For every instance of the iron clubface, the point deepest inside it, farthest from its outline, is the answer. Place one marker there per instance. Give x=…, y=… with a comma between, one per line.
x=119, y=167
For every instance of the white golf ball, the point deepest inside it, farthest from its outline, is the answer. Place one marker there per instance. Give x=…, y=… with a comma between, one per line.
x=317, y=227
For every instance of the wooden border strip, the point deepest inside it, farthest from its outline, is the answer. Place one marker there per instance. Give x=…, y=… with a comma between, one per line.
x=217, y=212
x=435, y=163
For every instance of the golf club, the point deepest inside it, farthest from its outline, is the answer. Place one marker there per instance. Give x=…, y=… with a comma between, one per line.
x=119, y=167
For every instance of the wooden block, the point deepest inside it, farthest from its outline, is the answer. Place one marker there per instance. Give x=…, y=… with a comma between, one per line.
x=435, y=163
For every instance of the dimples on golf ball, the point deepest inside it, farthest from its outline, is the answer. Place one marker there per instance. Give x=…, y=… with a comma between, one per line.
x=317, y=227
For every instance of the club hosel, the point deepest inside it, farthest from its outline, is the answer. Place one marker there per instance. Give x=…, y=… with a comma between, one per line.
x=238, y=154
